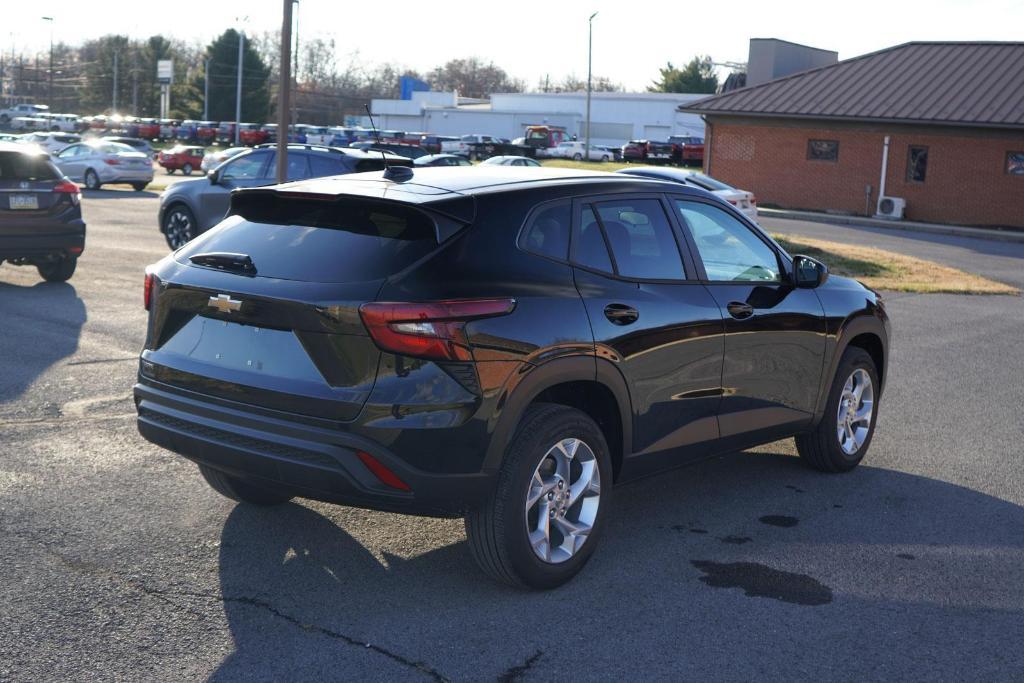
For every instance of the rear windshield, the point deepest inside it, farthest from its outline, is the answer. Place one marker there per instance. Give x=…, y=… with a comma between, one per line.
x=321, y=241
x=21, y=166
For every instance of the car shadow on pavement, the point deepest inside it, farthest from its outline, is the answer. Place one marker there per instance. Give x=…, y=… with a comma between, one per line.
x=731, y=537
x=41, y=325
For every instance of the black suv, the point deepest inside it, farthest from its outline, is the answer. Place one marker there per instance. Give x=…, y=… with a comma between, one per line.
x=499, y=343
x=40, y=213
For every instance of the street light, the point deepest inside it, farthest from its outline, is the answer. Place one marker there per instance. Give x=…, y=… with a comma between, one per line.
x=590, y=52
x=50, y=19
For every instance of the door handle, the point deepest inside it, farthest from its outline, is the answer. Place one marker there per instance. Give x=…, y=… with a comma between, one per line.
x=621, y=314
x=739, y=310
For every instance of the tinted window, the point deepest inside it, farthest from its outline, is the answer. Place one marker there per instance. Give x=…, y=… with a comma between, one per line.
x=245, y=167
x=298, y=167
x=548, y=233
x=321, y=165
x=641, y=239
x=590, y=249
x=318, y=241
x=19, y=166
x=729, y=249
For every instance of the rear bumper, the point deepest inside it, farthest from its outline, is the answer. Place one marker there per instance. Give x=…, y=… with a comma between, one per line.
x=282, y=453
x=28, y=243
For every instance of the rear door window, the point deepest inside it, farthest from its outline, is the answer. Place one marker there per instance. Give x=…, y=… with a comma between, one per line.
x=347, y=240
x=548, y=231
x=637, y=231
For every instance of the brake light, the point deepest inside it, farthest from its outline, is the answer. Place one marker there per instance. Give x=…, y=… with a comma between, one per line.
x=147, y=290
x=433, y=330
x=113, y=162
x=69, y=188
x=381, y=471
x=753, y=199
x=731, y=201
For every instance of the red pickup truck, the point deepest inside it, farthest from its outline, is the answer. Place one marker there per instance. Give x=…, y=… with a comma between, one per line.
x=185, y=158
x=687, y=150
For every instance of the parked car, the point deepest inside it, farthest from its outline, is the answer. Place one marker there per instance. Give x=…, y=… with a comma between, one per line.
x=574, y=149
x=138, y=144
x=615, y=153
x=544, y=139
x=21, y=110
x=463, y=146
x=687, y=150
x=252, y=134
x=184, y=158
x=318, y=135
x=40, y=214
x=101, y=162
x=67, y=123
x=169, y=129
x=510, y=161
x=471, y=363
x=271, y=130
x=634, y=150
x=206, y=132
x=432, y=143
x=745, y=202
x=442, y=160
x=189, y=208
x=399, y=148
x=226, y=132
x=215, y=159
x=29, y=123
x=659, y=152
x=52, y=143
x=149, y=129
x=186, y=132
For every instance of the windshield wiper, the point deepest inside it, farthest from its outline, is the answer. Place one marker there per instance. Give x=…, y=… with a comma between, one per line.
x=222, y=260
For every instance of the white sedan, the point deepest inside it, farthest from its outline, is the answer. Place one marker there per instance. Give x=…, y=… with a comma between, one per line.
x=744, y=201
x=574, y=149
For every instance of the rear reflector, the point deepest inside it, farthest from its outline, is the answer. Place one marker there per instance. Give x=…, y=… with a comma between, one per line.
x=381, y=471
x=429, y=330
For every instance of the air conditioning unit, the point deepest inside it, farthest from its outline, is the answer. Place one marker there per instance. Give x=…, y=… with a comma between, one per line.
x=891, y=207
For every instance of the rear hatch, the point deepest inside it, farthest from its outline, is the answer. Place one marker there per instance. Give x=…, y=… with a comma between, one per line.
x=33, y=193
x=264, y=308
x=659, y=150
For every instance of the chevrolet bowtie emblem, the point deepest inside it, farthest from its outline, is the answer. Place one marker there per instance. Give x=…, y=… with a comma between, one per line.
x=224, y=303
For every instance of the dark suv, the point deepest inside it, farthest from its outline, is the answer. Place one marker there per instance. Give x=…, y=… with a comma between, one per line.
x=505, y=344
x=40, y=213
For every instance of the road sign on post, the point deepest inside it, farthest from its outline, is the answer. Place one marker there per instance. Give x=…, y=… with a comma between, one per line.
x=165, y=71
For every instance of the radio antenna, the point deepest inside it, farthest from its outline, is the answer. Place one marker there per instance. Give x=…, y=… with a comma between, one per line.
x=377, y=136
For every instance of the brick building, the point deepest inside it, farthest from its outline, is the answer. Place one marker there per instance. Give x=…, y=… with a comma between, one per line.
x=945, y=121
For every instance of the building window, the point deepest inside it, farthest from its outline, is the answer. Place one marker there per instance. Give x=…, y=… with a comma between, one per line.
x=823, y=150
x=1015, y=163
x=917, y=164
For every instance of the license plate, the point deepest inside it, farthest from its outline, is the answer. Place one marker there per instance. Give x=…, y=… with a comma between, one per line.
x=24, y=201
x=659, y=156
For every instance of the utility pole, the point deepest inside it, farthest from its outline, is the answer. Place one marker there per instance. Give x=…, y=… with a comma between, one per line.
x=206, y=90
x=50, y=88
x=295, y=72
x=113, y=109
x=590, y=52
x=238, y=89
x=284, y=92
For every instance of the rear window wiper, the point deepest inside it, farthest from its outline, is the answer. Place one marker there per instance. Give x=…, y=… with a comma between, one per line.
x=222, y=260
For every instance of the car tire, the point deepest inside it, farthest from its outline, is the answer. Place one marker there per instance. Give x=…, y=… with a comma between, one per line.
x=179, y=226
x=58, y=271
x=604, y=159
x=186, y=169
x=577, y=157
x=170, y=171
x=139, y=187
x=499, y=530
x=92, y=181
x=241, y=490
x=842, y=437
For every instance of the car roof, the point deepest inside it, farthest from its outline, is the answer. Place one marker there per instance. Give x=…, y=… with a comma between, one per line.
x=7, y=146
x=671, y=174
x=430, y=183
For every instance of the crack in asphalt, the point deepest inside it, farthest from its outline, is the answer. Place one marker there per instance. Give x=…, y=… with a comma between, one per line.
x=518, y=671
x=165, y=596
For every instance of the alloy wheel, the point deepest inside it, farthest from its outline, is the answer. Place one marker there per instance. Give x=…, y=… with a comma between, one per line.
x=562, y=500
x=179, y=228
x=856, y=406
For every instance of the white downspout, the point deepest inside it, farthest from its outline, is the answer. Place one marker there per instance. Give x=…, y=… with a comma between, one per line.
x=885, y=167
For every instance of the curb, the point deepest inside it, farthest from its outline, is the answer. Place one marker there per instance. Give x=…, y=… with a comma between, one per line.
x=909, y=226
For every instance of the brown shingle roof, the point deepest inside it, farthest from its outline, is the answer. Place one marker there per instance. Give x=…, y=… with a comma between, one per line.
x=973, y=84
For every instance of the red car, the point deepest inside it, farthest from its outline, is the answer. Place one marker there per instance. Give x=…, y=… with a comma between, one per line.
x=206, y=132
x=251, y=134
x=181, y=157
x=149, y=129
x=635, y=150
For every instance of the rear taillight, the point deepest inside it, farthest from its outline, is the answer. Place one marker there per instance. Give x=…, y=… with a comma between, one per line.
x=753, y=199
x=147, y=290
x=433, y=330
x=69, y=188
x=731, y=201
x=113, y=162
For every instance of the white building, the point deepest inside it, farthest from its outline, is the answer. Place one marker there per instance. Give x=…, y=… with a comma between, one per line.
x=614, y=117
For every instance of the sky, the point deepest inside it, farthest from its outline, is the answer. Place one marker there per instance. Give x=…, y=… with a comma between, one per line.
x=532, y=39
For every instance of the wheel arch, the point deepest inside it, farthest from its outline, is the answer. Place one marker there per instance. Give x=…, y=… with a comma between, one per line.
x=864, y=331
x=589, y=384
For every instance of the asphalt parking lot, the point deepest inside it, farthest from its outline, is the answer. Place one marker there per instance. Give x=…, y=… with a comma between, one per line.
x=118, y=562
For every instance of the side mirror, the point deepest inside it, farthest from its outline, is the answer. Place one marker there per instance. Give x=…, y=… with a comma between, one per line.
x=214, y=176
x=809, y=273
